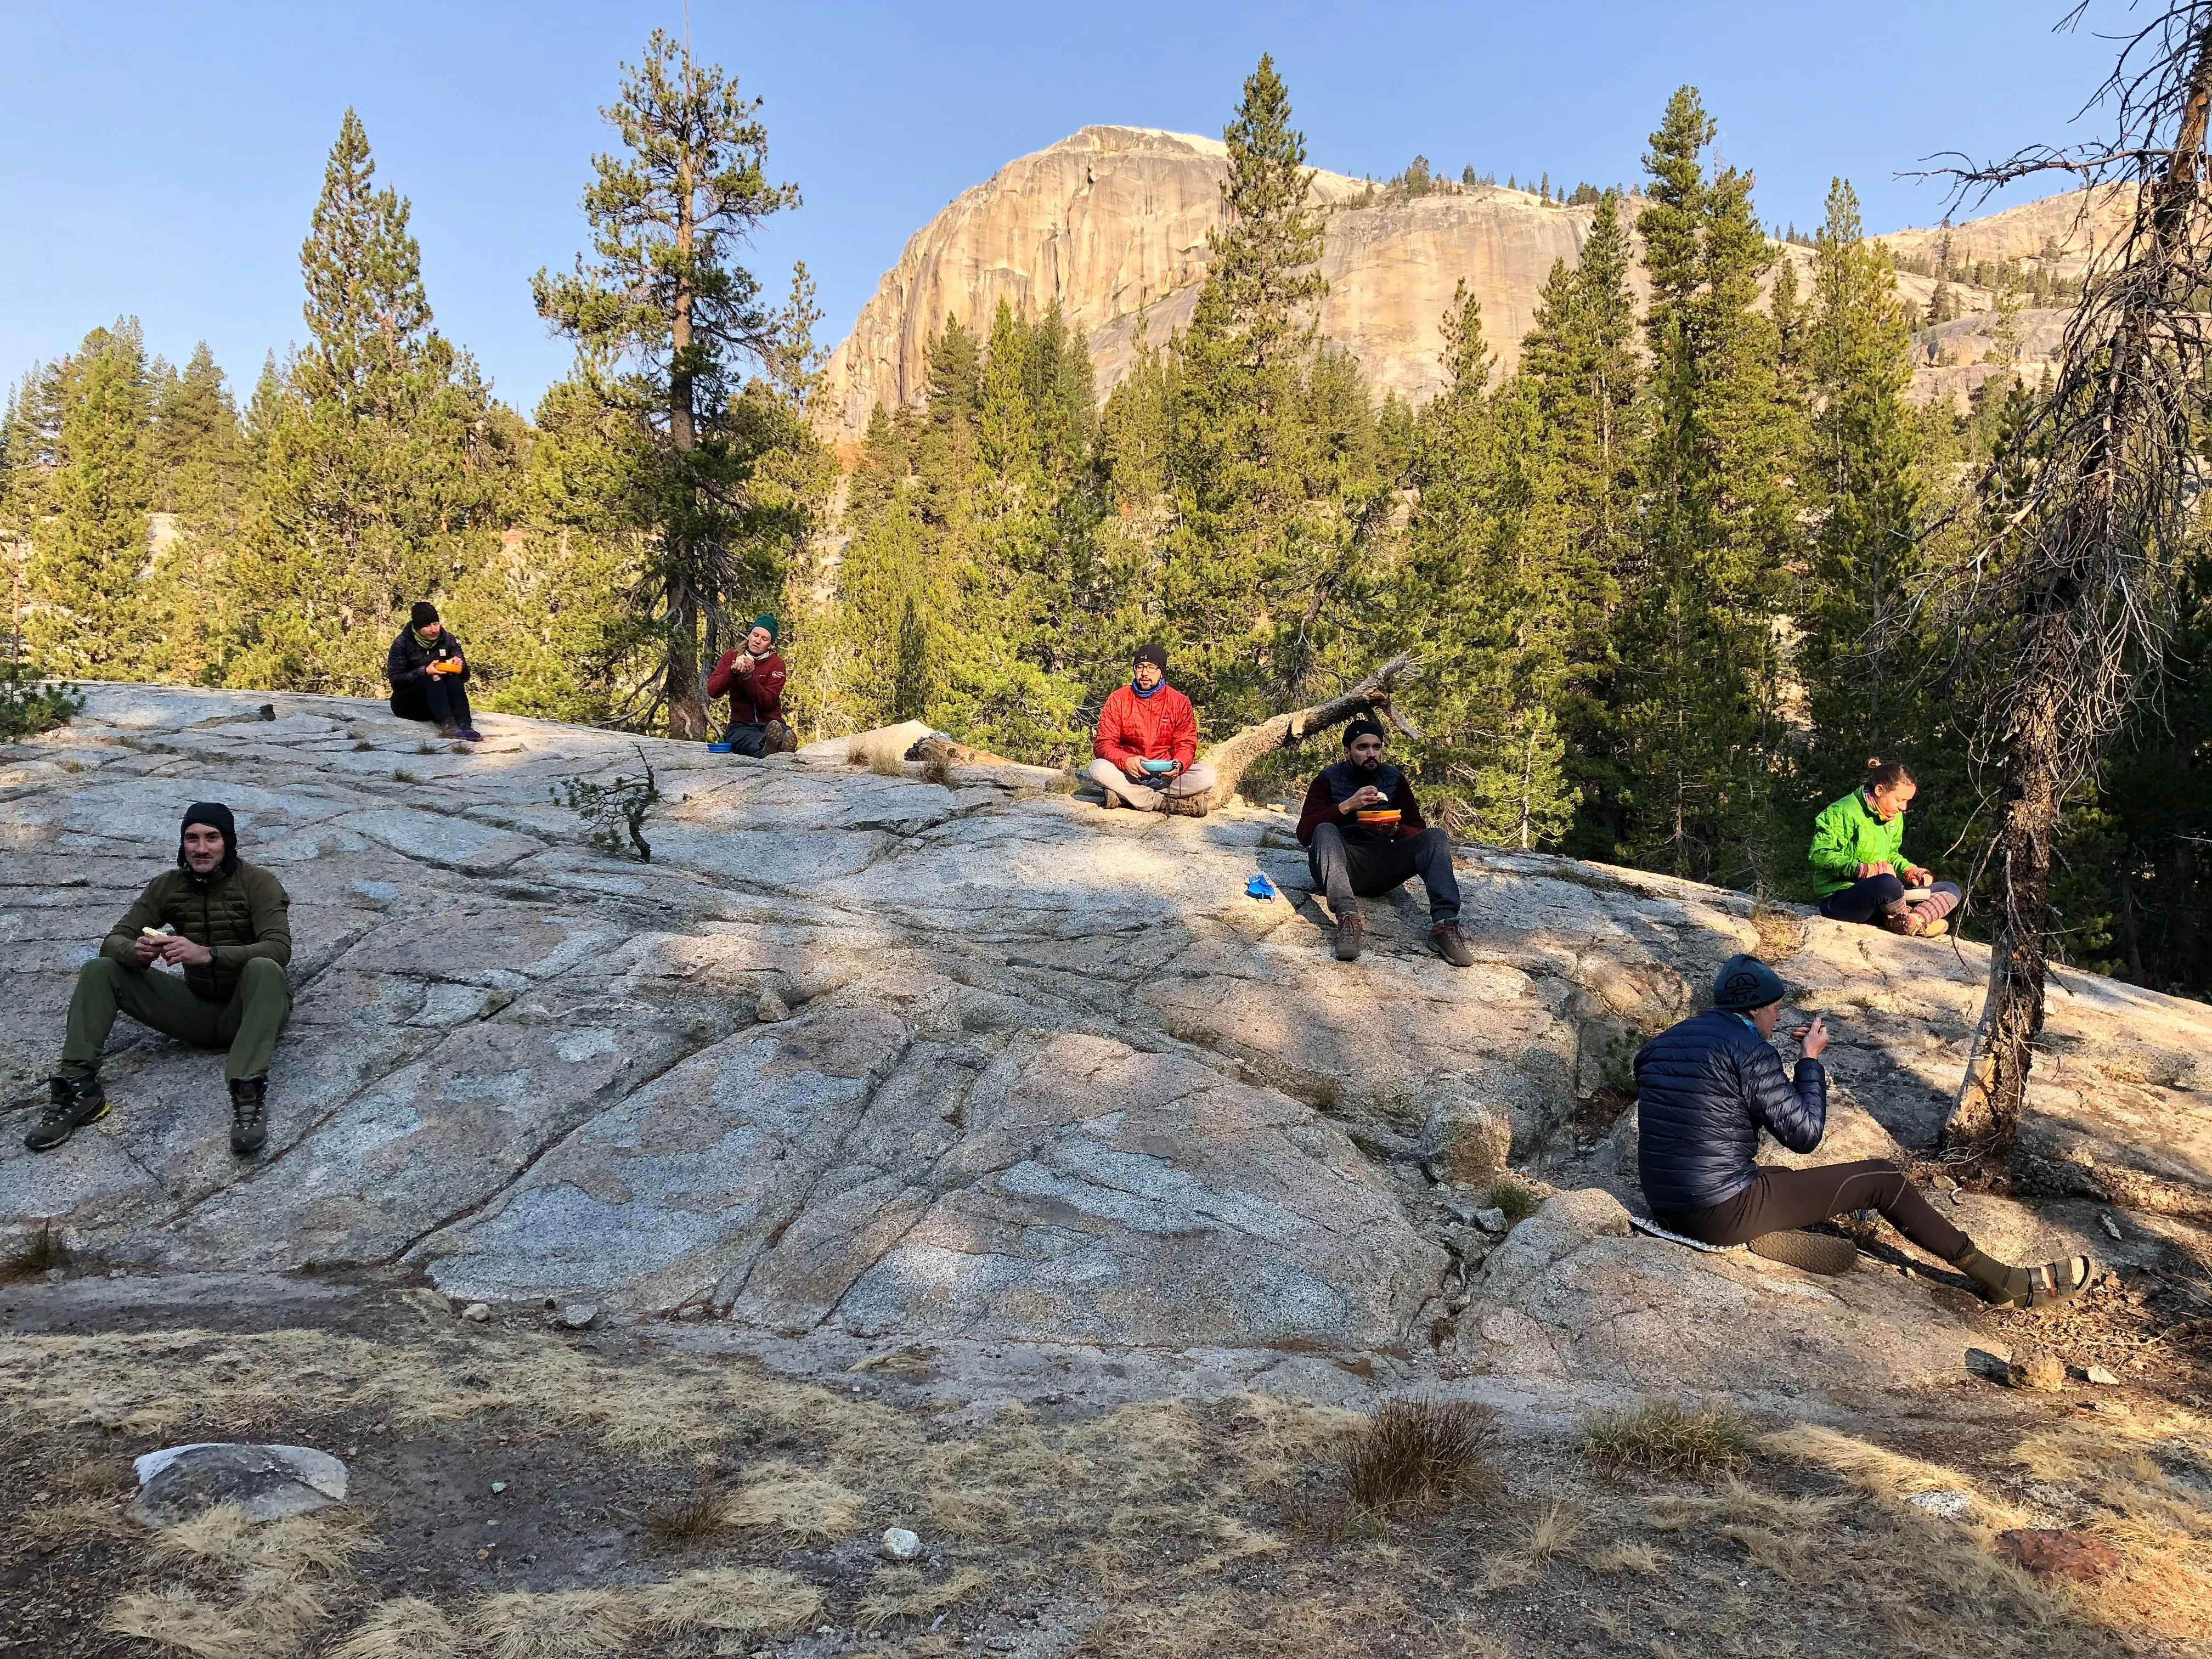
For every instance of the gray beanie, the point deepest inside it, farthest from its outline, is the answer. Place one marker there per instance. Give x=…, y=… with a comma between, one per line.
x=1745, y=982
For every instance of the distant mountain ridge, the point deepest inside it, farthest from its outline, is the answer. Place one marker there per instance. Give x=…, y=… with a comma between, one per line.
x=1112, y=222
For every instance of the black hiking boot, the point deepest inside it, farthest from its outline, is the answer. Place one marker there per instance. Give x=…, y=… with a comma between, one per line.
x=1446, y=939
x=249, y=1121
x=76, y=1101
x=1351, y=934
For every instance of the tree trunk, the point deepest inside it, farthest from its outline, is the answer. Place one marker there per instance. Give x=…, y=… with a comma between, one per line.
x=685, y=688
x=1234, y=756
x=1991, y=1094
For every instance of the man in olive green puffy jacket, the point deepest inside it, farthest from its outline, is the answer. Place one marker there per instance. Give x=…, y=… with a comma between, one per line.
x=227, y=926
x=1858, y=860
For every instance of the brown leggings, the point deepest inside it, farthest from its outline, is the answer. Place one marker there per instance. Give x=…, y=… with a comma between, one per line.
x=1782, y=1198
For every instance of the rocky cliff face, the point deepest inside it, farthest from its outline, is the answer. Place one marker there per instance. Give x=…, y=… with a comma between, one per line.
x=875, y=1056
x=1112, y=224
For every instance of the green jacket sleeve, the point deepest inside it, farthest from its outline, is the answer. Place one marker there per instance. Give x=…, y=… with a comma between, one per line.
x=1835, y=855
x=269, y=912
x=121, y=944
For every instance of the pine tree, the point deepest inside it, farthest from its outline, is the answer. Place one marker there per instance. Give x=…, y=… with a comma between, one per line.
x=383, y=464
x=88, y=616
x=1242, y=497
x=666, y=321
x=1862, y=480
x=1699, y=659
x=197, y=459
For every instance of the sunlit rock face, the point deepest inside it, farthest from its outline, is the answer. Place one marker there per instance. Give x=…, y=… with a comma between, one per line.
x=876, y=1054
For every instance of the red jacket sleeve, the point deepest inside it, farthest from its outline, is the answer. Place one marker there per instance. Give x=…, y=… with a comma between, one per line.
x=1111, y=743
x=718, y=683
x=1184, y=740
x=1320, y=809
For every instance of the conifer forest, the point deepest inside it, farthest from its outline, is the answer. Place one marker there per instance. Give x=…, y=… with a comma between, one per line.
x=1671, y=581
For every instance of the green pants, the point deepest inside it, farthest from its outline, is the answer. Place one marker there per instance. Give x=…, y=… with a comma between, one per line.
x=247, y=1024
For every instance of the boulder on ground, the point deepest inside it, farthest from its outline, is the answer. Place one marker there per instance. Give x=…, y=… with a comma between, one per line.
x=888, y=742
x=267, y=1482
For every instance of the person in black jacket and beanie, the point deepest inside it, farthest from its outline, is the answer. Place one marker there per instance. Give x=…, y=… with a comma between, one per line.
x=429, y=675
x=1707, y=1086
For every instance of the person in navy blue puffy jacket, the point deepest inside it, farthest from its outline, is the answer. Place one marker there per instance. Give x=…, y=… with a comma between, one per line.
x=1707, y=1086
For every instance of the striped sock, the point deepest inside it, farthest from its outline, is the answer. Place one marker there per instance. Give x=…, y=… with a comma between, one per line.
x=1935, y=906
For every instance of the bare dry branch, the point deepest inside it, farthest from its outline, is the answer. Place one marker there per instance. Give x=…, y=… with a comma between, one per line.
x=1234, y=756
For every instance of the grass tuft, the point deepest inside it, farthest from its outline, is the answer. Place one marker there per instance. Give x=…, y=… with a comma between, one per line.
x=802, y=1506
x=1064, y=783
x=689, y=1520
x=1517, y=1200
x=885, y=764
x=404, y=1628
x=1663, y=1437
x=1417, y=1454
x=939, y=770
x=36, y=1254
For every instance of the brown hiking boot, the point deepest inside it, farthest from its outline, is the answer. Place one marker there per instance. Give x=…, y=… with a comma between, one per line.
x=1448, y=942
x=1928, y=927
x=1898, y=921
x=778, y=739
x=1351, y=934
x=1184, y=807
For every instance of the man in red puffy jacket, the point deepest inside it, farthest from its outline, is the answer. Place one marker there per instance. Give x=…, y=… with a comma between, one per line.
x=752, y=679
x=1147, y=743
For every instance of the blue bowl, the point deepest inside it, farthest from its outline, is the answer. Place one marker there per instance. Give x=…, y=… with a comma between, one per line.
x=1159, y=766
x=720, y=749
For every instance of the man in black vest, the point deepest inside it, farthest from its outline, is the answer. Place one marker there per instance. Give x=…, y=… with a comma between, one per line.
x=1364, y=835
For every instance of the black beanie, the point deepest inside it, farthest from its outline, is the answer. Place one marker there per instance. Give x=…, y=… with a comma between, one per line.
x=218, y=817
x=1364, y=727
x=1744, y=983
x=1153, y=652
x=422, y=615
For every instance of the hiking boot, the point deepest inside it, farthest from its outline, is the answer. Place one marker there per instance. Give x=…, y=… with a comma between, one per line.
x=1351, y=934
x=1448, y=942
x=468, y=734
x=76, y=1101
x=1898, y=921
x=1928, y=927
x=1110, y=800
x=448, y=730
x=1184, y=807
x=778, y=739
x=249, y=1121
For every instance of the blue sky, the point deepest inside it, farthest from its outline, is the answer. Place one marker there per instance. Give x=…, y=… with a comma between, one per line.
x=161, y=161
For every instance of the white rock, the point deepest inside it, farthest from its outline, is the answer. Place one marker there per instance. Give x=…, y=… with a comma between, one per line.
x=476, y=1313
x=1491, y=1221
x=771, y=1009
x=899, y=1544
x=1950, y=1505
x=2102, y=1377
x=2112, y=1227
x=575, y=1315
x=267, y=1482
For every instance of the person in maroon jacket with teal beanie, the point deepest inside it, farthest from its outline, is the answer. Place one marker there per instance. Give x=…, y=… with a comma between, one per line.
x=1858, y=860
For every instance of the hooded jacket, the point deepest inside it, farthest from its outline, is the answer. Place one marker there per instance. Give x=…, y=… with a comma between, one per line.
x=408, y=662
x=1705, y=1089
x=240, y=913
x=1847, y=835
x=1159, y=727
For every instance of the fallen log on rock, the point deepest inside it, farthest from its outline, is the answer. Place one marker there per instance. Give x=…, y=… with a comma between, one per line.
x=950, y=750
x=1234, y=755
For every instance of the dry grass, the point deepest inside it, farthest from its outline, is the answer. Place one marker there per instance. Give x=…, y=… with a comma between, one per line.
x=178, y=1621
x=34, y=1255
x=407, y=1628
x=884, y=764
x=50, y=1525
x=901, y=1593
x=1065, y=783
x=689, y=1520
x=938, y=770
x=745, y=1600
x=804, y=1506
x=1663, y=1437
x=1781, y=931
x=564, y=1625
x=1417, y=1454
x=1624, y=1555
x=292, y=1551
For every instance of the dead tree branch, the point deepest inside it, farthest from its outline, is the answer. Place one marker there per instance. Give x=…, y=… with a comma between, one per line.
x=1234, y=755
x=2062, y=603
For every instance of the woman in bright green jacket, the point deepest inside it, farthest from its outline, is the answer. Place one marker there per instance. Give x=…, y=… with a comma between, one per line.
x=1858, y=859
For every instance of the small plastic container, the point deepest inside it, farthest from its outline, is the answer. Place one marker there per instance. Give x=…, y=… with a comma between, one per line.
x=720, y=749
x=1157, y=766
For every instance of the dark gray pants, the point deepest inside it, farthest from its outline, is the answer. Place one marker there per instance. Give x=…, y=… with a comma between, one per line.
x=1343, y=867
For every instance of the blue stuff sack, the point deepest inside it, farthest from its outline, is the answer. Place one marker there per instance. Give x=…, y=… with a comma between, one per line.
x=1259, y=888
